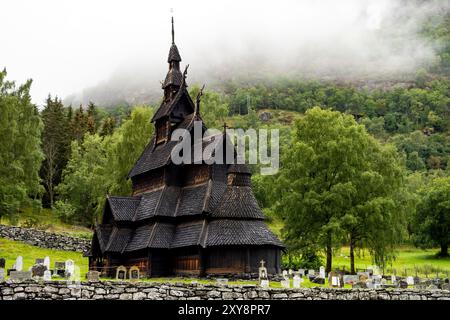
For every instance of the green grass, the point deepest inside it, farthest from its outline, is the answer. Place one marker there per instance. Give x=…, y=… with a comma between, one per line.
x=45, y=219
x=10, y=250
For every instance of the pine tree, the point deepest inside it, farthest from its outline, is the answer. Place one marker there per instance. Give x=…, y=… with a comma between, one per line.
x=55, y=145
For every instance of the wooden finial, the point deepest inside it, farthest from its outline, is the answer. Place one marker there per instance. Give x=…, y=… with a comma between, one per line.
x=173, y=30
x=199, y=95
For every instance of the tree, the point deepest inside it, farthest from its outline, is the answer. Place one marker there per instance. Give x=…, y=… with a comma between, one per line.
x=79, y=125
x=20, y=152
x=432, y=221
x=335, y=182
x=55, y=145
x=85, y=181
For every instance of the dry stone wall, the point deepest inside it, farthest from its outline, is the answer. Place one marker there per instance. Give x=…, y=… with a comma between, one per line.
x=45, y=239
x=112, y=290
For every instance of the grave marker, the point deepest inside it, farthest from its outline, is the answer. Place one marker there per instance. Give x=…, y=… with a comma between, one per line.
x=135, y=273
x=93, y=276
x=60, y=268
x=410, y=281
x=2, y=275
x=69, y=268
x=121, y=273
x=322, y=272
x=38, y=270
x=19, y=264
x=20, y=275
x=296, y=281
x=47, y=275
x=2, y=263
x=47, y=262
x=262, y=272
x=39, y=261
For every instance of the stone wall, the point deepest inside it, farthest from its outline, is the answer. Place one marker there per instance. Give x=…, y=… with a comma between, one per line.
x=45, y=239
x=112, y=290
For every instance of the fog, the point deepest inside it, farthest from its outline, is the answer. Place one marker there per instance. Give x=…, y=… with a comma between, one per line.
x=116, y=51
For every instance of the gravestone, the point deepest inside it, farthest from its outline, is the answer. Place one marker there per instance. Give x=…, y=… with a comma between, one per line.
x=121, y=273
x=335, y=281
x=322, y=272
x=220, y=281
x=2, y=263
x=301, y=272
x=47, y=262
x=394, y=280
x=264, y=283
x=134, y=273
x=60, y=268
x=39, y=261
x=311, y=272
x=350, y=279
x=416, y=280
x=47, y=275
x=403, y=284
x=93, y=276
x=286, y=283
x=296, y=281
x=262, y=272
x=69, y=268
x=410, y=281
x=285, y=274
x=38, y=270
x=19, y=264
x=20, y=275
x=2, y=275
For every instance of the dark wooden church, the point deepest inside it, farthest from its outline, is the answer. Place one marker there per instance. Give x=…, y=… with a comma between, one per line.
x=186, y=219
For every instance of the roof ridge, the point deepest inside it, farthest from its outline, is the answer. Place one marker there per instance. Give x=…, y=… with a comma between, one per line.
x=152, y=234
x=164, y=188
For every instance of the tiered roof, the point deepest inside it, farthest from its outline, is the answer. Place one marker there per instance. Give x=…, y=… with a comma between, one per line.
x=206, y=214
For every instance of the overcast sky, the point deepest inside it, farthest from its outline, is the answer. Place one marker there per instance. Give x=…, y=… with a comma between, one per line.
x=67, y=45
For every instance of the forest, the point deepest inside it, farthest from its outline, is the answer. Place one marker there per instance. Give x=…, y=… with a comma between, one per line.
x=362, y=166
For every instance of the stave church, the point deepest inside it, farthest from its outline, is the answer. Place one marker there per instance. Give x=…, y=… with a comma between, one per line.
x=194, y=219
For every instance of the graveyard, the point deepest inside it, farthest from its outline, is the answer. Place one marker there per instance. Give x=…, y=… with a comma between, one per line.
x=414, y=268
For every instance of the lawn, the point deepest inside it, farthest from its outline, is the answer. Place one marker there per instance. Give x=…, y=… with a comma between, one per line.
x=46, y=219
x=10, y=250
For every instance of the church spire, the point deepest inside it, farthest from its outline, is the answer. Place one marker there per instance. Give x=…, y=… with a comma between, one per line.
x=174, y=77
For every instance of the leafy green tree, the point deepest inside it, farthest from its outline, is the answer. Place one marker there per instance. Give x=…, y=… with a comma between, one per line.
x=335, y=181
x=20, y=152
x=85, y=181
x=55, y=145
x=432, y=221
x=130, y=141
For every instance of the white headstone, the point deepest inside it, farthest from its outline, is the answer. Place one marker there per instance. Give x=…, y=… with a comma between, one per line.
x=47, y=262
x=335, y=281
x=290, y=272
x=19, y=263
x=286, y=284
x=322, y=272
x=296, y=281
x=285, y=274
x=2, y=274
x=264, y=283
x=47, y=275
x=410, y=281
x=394, y=279
x=311, y=272
x=301, y=272
x=70, y=267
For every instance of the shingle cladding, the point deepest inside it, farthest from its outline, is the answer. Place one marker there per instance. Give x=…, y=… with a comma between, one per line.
x=103, y=234
x=238, y=202
x=188, y=234
x=123, y=208
x=192, y=200
x=226, y=232
x=119, y=239
x=148, y=205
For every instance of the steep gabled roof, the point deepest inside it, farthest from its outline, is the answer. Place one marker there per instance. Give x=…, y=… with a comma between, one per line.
x=103, y=234
x=119, y=239
x=188, y=234
x=123, y=208
x=166, y=107
x=192, y=200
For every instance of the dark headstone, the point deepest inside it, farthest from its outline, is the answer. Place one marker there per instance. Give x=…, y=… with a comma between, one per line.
x=93, y=276
x=38, y=270
x=318, y=280
x=416, y=280
x=403, y=284
x=60, y=268
x=2, y=263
